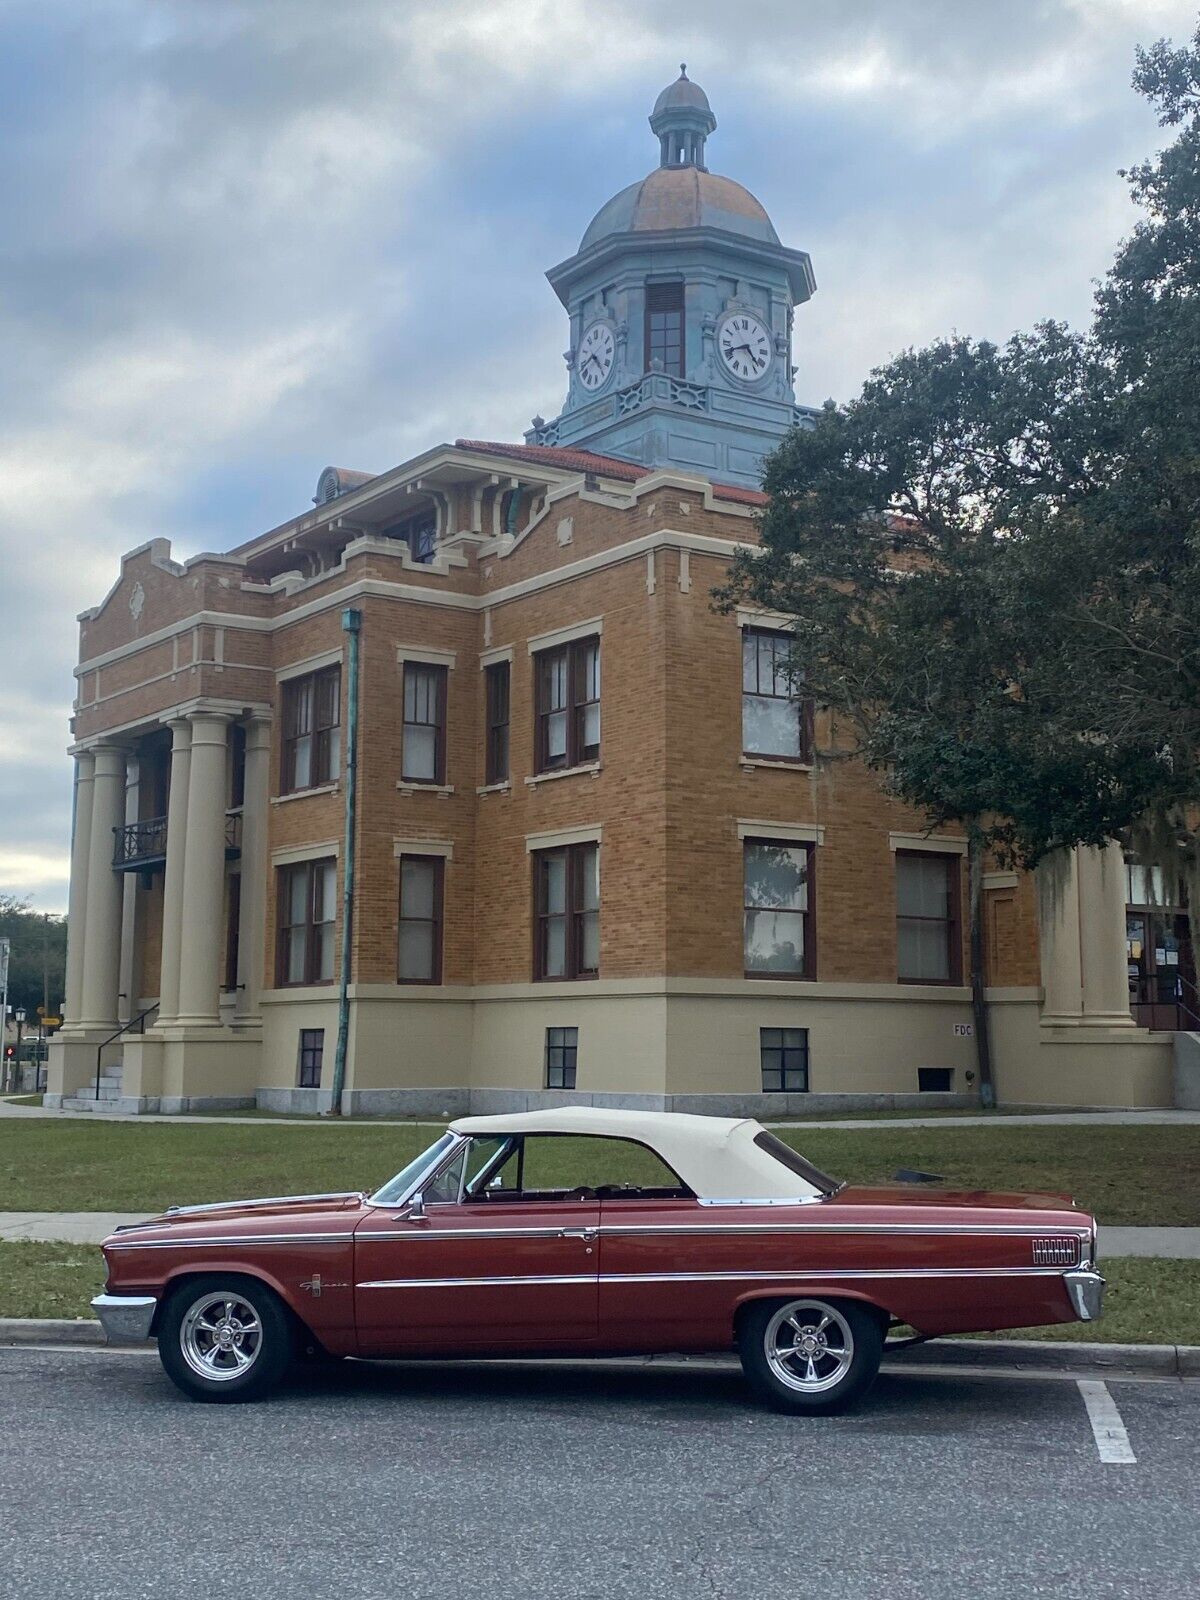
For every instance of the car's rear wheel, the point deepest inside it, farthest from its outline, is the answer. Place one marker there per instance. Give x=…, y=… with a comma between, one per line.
x=809, y=1354
x=225, y=1339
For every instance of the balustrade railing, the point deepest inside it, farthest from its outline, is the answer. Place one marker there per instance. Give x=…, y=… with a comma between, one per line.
x=139, y=843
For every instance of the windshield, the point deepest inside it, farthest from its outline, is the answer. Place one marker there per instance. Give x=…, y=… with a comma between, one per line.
x=795, y=1162
x=395, y=1190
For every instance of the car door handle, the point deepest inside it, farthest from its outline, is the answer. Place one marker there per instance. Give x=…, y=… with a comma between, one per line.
x=577, y=1233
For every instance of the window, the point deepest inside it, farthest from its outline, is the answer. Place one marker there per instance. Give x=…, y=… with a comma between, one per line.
x=581, y=1167
x=935, y=1080
x=784, y=1056
x=567, y=912
x=423, y=758
x=418, y=532
x=233, y=923
x=664, y=327
x=420, y=944
x=928, y=945
x=775, y=722
x=562, y=1056
x=778, y=927
x=312, y=1056
x=311, y=730
x=307, y=911
x=496, y=682
x=568, y=704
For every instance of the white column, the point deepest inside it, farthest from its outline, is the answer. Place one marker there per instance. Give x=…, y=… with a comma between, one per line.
x=127, y=997
x=172, y=925
x=203, y=875
x=1102, y=938
x=85, y=769
x=1062, y=972
x=102, y=916
x=251, y=932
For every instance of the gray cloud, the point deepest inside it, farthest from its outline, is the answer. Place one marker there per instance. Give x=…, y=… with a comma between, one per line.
x=248, y=237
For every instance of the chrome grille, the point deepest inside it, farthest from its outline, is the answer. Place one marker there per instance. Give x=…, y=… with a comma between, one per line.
x=1055, y=1252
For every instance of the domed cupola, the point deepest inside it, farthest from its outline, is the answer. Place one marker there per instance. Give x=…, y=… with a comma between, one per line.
x=681, y=299
x=682, y=118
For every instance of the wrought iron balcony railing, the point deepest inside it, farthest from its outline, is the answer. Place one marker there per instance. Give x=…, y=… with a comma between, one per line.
x=140, y=844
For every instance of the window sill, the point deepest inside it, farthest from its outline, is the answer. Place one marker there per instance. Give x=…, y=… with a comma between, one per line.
x=781, y=977
x=496, y=788
x=305, y=794
x=748, y=763
x=590, y=767
x=414, y=786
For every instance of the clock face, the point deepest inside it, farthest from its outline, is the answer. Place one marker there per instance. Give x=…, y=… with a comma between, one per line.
x=745, y=345
x=596, y=351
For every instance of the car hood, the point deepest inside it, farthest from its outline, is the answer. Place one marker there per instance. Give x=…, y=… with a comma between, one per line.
x=240, y=1216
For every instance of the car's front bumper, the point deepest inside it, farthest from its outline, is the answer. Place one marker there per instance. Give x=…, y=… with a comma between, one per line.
x=125, y=1318
x=1086, y=1289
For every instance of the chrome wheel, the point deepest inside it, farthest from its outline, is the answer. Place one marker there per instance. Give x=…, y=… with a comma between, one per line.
x=809, y=1346
x=220, y=1336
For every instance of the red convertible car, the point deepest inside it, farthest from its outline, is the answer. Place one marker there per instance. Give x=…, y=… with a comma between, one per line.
x=585, y=1232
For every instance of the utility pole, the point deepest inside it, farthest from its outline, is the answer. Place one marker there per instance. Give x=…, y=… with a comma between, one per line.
x=352, y=625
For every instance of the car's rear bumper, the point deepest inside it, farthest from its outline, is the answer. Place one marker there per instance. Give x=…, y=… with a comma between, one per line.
x=1086, y=1289
x=125, y=1318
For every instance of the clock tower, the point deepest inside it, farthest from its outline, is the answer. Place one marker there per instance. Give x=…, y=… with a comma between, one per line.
x=681, y=301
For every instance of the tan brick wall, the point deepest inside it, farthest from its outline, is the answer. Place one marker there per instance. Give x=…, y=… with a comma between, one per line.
x=671, y=784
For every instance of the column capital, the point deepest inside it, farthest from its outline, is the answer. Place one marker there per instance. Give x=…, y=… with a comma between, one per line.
x=110, y=760
x=181, y=730
x=258, y=730
x=85, y=765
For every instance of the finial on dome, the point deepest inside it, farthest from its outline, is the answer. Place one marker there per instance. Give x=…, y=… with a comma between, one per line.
x=682, y=118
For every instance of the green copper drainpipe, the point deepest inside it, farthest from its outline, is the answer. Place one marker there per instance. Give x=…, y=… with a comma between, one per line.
x=351, y=624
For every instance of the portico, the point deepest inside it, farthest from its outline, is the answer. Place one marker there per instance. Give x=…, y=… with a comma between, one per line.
x=186, y=1035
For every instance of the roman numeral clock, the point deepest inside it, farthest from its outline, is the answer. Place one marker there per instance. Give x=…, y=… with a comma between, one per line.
x=744, y=342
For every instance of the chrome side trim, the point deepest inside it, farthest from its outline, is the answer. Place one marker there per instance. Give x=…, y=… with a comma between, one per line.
x=466, y=1233
x=618, y=1230
x=254, y=1205
x=783, y=1275
x=249, y=1238
x=125, y=1318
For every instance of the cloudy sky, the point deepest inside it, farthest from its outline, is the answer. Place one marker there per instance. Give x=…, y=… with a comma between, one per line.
x=247, y=238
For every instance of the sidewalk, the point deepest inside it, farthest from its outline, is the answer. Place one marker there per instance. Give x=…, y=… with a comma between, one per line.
x=90, y=1227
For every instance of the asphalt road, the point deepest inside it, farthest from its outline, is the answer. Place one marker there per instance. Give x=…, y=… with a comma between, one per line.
x=377, y=1482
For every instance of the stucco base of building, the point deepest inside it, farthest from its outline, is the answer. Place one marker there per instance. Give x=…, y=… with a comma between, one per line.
x=1080, y=1064
x=72, y=1062
x=191, y=1069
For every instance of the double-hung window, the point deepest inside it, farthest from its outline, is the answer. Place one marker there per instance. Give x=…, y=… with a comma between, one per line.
x=778, y=923
x=421, y=897
x=776, y=722
x=312, y=714
x=562, y=1057
x=928, y=938
x=497, y=683
x=307, y=920
x=566, y=886
x=423, y=753
x=567, y=681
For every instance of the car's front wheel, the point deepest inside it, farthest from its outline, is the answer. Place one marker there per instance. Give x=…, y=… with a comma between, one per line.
x=225, y=1339
x=810, y=1355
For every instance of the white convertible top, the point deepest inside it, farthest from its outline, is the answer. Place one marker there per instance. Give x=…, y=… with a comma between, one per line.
x=715, y=1156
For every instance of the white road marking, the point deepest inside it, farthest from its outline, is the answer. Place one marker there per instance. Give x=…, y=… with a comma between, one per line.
x=1111, y=1439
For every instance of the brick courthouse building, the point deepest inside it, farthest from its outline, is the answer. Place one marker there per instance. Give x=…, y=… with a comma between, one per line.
x=594, y=855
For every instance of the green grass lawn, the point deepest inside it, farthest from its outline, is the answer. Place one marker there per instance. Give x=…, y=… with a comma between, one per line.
x=1149, y=1302
x=1134, y=1175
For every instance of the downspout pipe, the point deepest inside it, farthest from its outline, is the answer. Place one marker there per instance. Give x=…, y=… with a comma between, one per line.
x=352, y=627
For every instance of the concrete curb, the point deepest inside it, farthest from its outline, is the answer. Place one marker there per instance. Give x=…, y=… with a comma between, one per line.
x=1018, y=1355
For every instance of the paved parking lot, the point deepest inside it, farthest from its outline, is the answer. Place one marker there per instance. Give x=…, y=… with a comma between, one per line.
x=376, y=1482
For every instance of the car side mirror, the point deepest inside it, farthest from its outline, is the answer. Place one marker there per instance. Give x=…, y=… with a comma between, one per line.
x=416, y=1209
